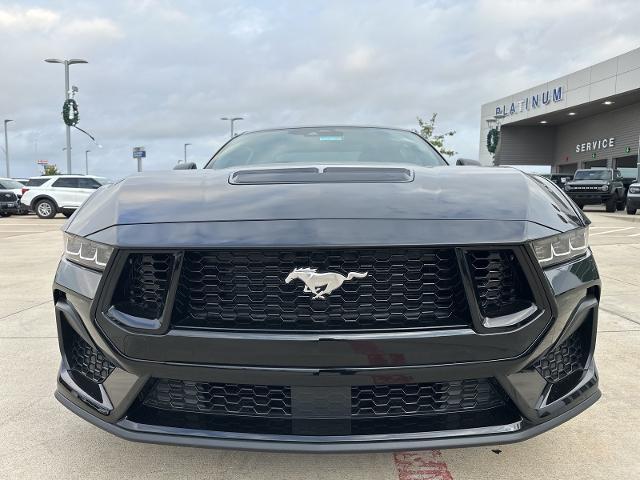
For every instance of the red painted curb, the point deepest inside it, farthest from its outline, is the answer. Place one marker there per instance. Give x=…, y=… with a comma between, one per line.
x=427, y=465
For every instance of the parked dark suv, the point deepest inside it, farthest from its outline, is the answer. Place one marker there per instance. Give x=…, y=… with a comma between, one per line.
x=597, y=187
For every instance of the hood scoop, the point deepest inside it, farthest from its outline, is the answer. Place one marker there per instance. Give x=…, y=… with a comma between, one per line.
x=321, y=175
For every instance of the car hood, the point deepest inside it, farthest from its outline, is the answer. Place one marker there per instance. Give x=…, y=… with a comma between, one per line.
x=437, y=193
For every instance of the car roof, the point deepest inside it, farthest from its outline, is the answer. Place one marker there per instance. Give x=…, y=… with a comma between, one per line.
x=64, y=175
x=275, y=129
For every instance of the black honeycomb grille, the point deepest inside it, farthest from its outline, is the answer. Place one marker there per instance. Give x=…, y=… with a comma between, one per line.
x=246, y=289
x=8, y=197
x=425, y=398
x=501, y=287
x=566, y=358
x=220, y=398
x=143, y=285
x=88, y=361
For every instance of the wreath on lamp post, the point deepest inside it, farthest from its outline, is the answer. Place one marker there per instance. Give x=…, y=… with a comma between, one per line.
x=70, y=112
x=492, y=140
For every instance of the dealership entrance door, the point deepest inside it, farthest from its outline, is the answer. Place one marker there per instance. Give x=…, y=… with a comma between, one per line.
x=568, y=168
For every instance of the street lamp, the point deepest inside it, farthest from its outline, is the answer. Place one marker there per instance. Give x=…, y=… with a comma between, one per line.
x=231, y=121
x=6, y=147
x=185, y=151
x=86, y=162
x=66, y=64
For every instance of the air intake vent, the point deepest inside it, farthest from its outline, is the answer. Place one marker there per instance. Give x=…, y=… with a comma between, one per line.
x=500, y=284
x=567, y=358
x=87, y=360
x=143, y=285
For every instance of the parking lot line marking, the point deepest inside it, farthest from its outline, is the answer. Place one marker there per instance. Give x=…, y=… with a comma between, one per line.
x=427, y=465
x=613, y=231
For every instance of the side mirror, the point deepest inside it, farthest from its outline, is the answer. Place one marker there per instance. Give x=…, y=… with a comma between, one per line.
x=186, y=166
x=468, y=161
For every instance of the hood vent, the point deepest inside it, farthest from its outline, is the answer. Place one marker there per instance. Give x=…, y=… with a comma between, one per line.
x=321, y=175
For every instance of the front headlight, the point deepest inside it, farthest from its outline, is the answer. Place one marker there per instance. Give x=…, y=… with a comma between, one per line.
x=561, y=248
x=634, y=189
x=567, y=187
x=605, y=187
x=85, y=252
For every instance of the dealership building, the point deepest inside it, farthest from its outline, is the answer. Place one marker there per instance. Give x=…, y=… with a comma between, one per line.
x=589, y=118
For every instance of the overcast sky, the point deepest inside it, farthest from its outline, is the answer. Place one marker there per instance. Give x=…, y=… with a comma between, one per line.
x=161, y=73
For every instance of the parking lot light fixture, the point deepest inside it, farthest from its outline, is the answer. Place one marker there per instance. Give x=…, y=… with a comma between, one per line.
x=231, y=122
x=185, y=151
x=66, y=64
x=6, y=147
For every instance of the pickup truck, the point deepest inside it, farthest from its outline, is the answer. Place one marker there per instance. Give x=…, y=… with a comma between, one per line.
x=599, y=186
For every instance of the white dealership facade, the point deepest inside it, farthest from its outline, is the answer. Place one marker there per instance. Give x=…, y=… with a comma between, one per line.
x=589, y=118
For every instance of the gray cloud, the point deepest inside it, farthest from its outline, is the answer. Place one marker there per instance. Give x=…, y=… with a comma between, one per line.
x=162, y=73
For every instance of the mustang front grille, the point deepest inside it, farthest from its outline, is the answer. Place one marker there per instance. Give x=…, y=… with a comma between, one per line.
x=246, y=289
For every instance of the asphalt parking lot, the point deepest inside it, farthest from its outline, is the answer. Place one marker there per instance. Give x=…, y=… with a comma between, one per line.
x=40, y=439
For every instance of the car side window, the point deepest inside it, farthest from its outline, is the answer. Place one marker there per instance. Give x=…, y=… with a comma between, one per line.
x=66, y=182
x=36, y=182
x=88, y=183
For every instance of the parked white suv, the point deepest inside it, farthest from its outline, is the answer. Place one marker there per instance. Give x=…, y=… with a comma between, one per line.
x=59, y=193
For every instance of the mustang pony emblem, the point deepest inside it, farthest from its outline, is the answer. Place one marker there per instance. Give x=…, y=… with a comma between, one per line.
x=321, y=284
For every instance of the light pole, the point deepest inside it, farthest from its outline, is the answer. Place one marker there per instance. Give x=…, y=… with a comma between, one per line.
x=66, y=64
x=86, y=162
x=6, y=148
x=231, y=121
x=185, y=151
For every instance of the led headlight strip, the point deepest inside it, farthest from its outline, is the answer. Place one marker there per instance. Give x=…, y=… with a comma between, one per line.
x=85, y=252
x=561, y=248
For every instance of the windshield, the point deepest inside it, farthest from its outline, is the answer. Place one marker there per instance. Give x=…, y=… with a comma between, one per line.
x=327, y=145
x=10, y=184
x=592, y=175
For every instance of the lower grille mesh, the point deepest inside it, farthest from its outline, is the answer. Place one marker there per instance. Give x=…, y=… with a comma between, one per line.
x=366, y=401
x=220, y=398
x=424, y=398
x=567, y=358
x=88, y=361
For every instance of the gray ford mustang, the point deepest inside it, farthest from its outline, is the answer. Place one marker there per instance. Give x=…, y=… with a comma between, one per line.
x=328, y=289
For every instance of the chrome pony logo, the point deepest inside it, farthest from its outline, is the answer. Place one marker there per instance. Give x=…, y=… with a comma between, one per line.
x=320, y=284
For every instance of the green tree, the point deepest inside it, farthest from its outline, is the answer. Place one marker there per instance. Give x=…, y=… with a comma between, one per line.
x=51, y=170
x=427, y=131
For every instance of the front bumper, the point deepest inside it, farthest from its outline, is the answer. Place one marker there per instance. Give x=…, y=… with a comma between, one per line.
x=531, y=406
x=13, y=208
x=633, y=201
x=589, y=198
